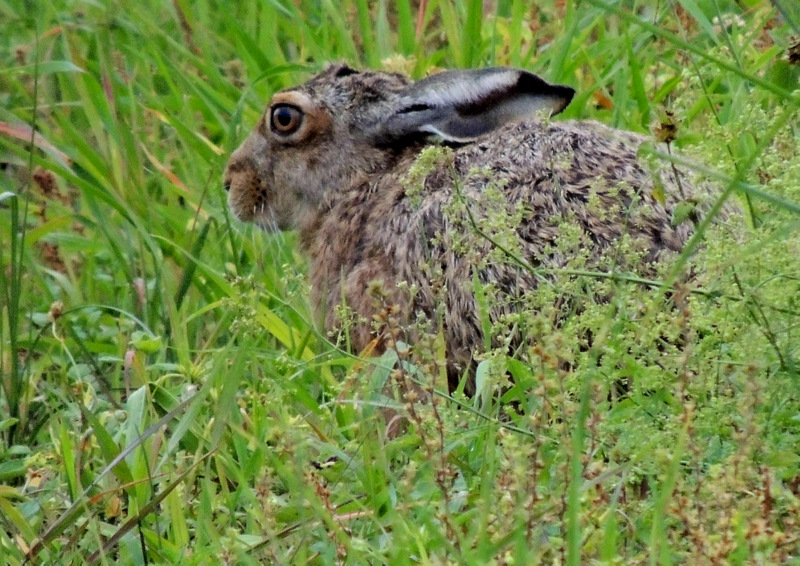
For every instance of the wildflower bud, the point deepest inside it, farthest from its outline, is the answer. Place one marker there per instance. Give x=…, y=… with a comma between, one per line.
x=56, y=310
x=127, y=365
x=793, y=53
x=667, y=129
x=375, y=288
x=141, y=292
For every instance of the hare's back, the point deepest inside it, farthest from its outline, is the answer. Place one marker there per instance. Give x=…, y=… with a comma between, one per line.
x=577, y=173
x=568, y=154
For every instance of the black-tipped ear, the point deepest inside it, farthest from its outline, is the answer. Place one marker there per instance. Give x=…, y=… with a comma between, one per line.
x=343, y=71
x=459, y=106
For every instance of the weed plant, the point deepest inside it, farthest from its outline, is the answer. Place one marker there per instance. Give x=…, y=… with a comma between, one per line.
x=166, y=395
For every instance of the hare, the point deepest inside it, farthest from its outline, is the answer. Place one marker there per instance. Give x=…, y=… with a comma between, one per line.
x=335, y=158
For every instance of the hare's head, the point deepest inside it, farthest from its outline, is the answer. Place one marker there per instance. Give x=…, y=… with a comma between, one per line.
x=344, y=124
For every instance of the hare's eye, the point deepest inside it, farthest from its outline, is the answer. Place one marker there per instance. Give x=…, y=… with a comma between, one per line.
x=286, y=119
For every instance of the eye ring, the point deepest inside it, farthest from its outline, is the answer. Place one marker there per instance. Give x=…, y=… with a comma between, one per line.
x=285, y=119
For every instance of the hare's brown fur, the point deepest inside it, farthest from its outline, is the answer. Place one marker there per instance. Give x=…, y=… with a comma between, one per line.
x=342, y=186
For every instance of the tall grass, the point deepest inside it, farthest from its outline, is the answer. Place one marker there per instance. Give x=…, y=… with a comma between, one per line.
x=166, y=394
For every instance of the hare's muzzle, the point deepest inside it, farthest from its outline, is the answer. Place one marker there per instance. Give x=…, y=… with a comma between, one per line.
x=248, y=194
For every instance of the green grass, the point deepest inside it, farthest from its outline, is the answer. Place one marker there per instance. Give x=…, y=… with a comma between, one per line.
x=166, y=396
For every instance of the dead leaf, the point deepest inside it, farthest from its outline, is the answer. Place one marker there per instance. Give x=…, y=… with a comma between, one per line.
x=23, y=132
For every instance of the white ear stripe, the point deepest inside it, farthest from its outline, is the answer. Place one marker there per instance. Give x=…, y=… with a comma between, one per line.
x=441, y=136
x=465, y=91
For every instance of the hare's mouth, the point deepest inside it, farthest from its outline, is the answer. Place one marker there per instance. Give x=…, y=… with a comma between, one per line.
x=249, y=199
x=268, y=222
x=253, y=210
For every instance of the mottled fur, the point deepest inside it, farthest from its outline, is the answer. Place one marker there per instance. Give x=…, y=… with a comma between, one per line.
x=340, y=182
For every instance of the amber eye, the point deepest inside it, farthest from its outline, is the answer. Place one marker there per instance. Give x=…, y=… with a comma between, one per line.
x=286, y=119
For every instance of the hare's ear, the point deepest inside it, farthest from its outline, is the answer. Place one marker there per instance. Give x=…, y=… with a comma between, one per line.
x=459, y=106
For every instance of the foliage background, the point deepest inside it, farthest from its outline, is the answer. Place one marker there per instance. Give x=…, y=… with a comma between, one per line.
x=166, y=397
